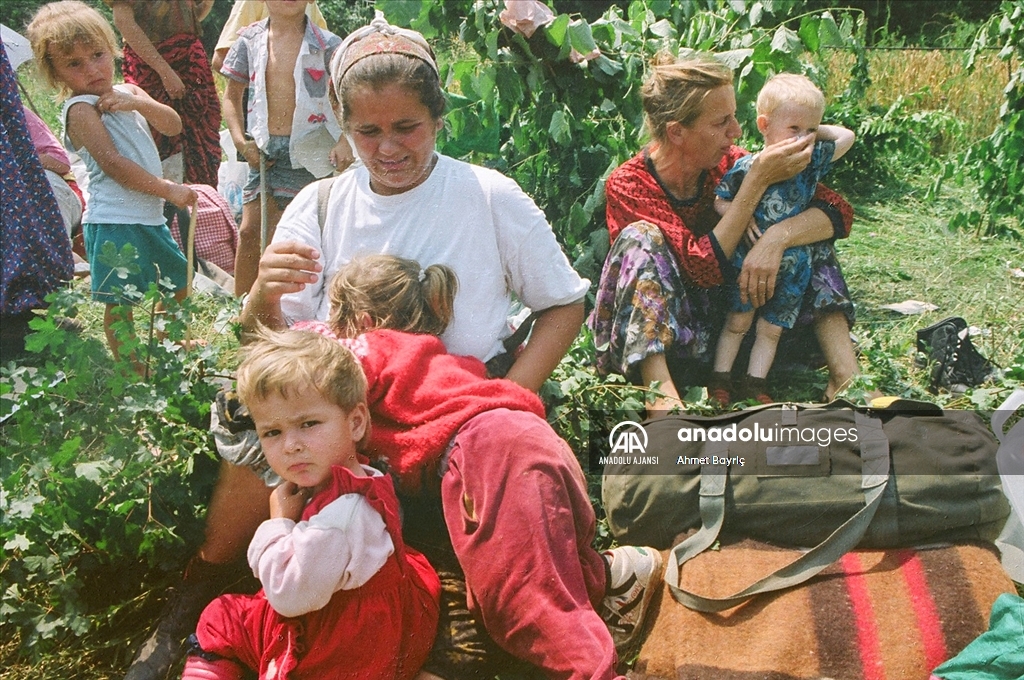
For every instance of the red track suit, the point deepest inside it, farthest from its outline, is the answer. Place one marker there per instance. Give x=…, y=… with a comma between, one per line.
x=382, y=629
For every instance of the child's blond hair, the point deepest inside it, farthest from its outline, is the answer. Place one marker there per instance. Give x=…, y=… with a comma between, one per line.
x=394, y=293
x=284, y=362
x=58, y=27
x=789, y=88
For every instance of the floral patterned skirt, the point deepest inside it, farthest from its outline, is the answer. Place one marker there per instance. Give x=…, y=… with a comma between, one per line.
x=644, y=307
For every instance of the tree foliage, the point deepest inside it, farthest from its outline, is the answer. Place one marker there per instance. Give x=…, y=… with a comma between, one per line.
x=997, y=163
x=559, y=110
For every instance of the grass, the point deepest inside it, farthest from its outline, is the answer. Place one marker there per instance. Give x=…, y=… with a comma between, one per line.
x=902, y=250
x=939, y=79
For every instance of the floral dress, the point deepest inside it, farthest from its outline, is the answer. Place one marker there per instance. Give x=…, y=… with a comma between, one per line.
x=661, y=289
x=36, y=249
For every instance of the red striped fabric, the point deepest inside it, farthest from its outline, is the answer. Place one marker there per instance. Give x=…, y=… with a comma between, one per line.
x=929, y=625
x=864, y=617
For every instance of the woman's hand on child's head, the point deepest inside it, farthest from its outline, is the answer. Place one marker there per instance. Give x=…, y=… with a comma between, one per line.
x=181, y=195
x=288, y=501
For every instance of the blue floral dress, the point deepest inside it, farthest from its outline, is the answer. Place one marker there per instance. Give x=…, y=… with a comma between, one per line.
x=35, y=247
x=780, y=201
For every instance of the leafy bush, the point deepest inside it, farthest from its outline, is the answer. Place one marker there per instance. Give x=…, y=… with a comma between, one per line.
x=559, y=110
x=104, y=474
x=894, y=144
x=997, y=163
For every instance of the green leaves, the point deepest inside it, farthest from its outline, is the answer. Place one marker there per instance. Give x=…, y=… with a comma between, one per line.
x=102, y=471
x=557, y=127
x=997, y=163
x=581, y=38
x=786, y=41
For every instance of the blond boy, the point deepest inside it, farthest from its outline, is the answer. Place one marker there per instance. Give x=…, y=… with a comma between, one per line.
x=788, y=106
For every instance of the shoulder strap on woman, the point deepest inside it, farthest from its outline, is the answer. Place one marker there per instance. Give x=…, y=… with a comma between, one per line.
x=323, y=197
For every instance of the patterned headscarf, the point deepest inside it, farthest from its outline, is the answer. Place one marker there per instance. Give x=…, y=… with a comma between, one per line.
x=379, y=37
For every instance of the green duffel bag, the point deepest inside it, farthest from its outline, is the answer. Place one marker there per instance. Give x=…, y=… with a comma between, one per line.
x=826, y=477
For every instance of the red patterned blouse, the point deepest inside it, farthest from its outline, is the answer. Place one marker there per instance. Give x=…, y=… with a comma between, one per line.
x=634, y=192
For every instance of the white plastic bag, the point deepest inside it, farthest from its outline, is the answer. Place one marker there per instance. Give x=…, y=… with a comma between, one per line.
x=232, y=175
x=1010, y=461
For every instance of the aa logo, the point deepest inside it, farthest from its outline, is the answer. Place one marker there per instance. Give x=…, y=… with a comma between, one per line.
x=628, y=438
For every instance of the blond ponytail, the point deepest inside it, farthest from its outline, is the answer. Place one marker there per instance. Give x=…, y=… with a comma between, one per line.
x=384, y=291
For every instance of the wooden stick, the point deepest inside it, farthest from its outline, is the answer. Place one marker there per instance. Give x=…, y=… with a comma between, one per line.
x=190, y=246
x=264, y=219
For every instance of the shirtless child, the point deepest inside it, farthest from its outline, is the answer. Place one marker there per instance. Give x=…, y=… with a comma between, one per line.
x=284, y=60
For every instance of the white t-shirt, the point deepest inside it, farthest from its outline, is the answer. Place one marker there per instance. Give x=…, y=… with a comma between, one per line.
x=475, y=220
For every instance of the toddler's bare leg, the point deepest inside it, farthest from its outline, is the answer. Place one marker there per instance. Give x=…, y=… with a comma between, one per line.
x=763, y=353
x=736, y=326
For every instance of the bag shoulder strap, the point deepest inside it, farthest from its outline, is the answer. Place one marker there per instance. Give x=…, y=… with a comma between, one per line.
x=323, y=197
x=874, y=448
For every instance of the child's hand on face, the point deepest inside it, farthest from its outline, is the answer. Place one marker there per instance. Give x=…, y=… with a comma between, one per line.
x=181, y=195
x=115, y=101
x=288, y=501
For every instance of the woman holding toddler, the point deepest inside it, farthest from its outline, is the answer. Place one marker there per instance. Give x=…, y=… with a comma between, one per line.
x=661, y=301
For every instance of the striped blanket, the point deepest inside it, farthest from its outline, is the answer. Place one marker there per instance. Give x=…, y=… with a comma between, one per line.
x=874, y=615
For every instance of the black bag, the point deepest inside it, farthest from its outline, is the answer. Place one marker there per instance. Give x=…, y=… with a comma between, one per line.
x=955, y=361
x=903, y=476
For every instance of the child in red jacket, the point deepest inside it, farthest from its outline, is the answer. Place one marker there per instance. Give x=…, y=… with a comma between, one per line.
x=514, y=497
x=342, y=596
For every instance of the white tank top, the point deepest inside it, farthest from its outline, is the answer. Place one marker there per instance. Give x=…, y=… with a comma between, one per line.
x=110, y=202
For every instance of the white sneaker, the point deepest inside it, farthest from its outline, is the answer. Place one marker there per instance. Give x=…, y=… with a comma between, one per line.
x=634, y=574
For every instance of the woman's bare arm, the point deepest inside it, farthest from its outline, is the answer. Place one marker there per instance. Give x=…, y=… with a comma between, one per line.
x=762, y=262
x=124, y=19
x=553, y=333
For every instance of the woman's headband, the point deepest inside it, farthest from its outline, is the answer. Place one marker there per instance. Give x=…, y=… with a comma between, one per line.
x=379, y=37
